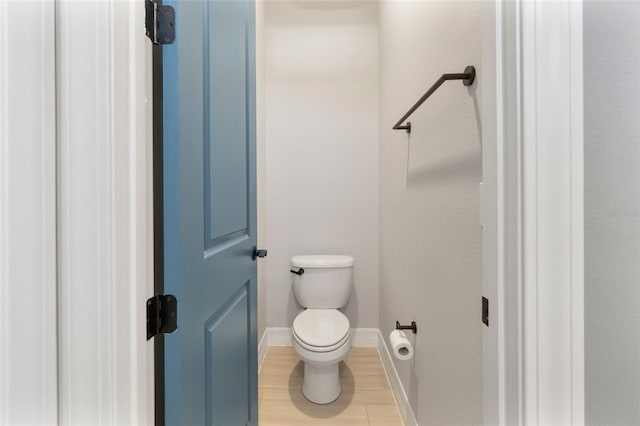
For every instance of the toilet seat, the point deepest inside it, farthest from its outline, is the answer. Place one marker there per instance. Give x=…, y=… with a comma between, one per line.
x=321, y=330
x=319, y=349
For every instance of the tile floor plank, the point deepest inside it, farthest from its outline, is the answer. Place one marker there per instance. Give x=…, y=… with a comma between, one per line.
x=366, y=397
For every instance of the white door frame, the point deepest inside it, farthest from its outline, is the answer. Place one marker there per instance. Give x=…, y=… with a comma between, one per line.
x=28, y=347
x=105, y=213
x=533, y=213
x=75, y=214
x=553, y=201
x=501, y=214
x=532, y=208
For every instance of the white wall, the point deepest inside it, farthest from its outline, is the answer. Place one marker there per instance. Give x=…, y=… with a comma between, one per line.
x=612, y=211
x=28, y=347
x=322, y=146
x=430, y=238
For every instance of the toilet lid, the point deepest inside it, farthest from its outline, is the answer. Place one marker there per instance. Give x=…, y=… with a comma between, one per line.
x=321, y=327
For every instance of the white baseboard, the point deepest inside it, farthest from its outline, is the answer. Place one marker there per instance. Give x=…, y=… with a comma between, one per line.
x=279, y=336
x=263, y=345
x=364, y=337
x=396, y=385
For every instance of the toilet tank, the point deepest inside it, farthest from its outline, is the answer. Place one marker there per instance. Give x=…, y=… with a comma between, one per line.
x=326, y=283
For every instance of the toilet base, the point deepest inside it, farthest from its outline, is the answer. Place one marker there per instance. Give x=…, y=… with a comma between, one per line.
x=321, y=385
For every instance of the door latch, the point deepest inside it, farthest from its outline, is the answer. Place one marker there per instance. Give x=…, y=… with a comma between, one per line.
x=485, y=311
x=258, y=253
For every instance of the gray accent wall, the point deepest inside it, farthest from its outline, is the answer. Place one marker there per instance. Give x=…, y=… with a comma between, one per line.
x=430, y=237
x=612, y=211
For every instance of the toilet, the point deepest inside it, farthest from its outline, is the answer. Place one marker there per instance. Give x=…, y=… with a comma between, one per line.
x=321, y=334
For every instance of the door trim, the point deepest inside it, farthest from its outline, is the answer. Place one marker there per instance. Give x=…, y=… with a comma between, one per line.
x=553, y=226
x=501, y=215
x=28, y=354
x=105, y=213
x=533, y=210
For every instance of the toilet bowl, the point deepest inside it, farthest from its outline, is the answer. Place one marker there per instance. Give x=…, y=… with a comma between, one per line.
x=322, y=339
x=321, y=334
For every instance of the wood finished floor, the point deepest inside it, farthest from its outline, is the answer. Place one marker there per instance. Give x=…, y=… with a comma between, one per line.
x=366, y=398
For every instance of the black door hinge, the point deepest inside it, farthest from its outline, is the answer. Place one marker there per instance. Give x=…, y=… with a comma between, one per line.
x=160, y=22
x=162, y=315
x=485, y=311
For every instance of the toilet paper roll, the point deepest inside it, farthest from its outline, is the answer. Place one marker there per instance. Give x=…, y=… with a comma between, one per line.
x=400, y=345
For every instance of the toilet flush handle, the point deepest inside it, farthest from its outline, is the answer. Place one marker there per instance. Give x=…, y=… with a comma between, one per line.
x=298, y=272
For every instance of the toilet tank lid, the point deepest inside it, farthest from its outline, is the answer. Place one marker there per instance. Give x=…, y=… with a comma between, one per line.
x=322, y=261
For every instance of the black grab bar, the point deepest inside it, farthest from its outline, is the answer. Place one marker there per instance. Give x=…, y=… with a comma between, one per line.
x=467, y=77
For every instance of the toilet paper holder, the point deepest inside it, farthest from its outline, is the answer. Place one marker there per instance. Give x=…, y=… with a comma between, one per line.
x=413, y=327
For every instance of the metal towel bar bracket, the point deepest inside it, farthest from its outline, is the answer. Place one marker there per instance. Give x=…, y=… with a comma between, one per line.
x=413, y=327
x=467, y=77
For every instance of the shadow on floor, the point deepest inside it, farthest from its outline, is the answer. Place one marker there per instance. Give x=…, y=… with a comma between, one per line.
x=320, y=411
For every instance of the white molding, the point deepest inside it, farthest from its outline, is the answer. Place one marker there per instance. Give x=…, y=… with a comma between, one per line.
x=28, y=364
x=279, y=336
x=364, y=337
x=502, y=242
x=104, y=210
x=491, y=204
x=577, y=216
x=552, y=126
x=399, y=393
x=263, y=345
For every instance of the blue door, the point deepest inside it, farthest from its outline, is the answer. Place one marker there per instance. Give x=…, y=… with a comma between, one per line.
x=210, y=214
